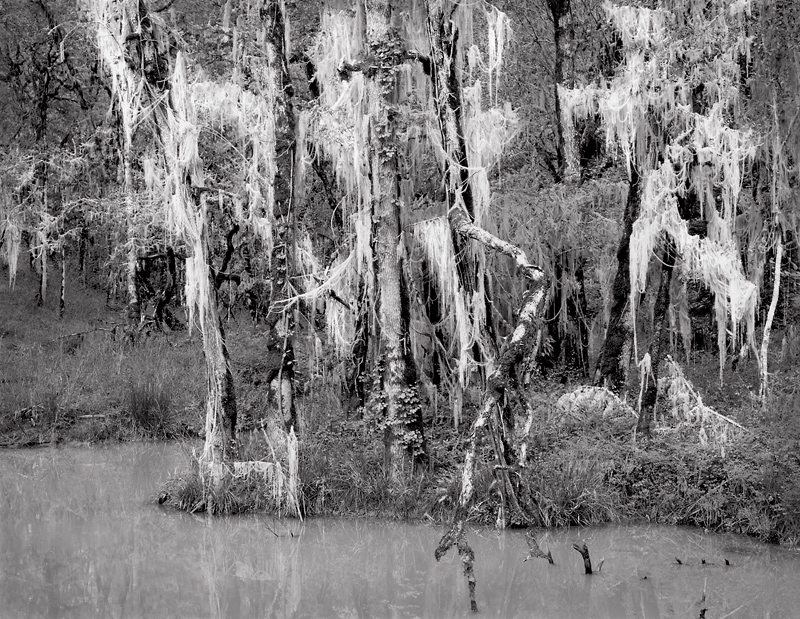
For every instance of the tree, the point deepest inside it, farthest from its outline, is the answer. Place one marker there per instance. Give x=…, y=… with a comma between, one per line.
x=52, y=83
x=135, y=49
x=265, y=69
x=367, y=88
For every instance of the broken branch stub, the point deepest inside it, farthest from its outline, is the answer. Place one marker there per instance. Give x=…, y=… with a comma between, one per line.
x=584, y=551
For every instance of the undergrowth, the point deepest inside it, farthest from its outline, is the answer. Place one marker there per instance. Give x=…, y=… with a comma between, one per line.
x=576, y=479
x=74, y=379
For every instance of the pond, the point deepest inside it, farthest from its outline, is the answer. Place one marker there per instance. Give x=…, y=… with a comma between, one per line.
x=81, y=536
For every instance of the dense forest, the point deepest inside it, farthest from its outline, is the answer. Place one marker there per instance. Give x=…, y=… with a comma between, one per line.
x=529, y=263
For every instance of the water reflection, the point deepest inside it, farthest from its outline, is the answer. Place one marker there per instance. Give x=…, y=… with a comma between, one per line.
x=80, y=536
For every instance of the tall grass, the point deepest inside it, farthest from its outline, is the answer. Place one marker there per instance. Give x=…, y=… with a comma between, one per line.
x=150, y=407
x=265, y=479
x=148, y=390
x=569, y=489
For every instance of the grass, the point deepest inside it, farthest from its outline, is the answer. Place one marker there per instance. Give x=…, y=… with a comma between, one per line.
x=74, y=379
x=265, y=486
x=150, y=407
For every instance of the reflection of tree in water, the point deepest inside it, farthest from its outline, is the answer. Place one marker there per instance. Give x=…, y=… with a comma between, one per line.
x=264, y=581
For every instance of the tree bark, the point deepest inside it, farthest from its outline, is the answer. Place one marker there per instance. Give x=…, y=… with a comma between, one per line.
x=444, y=74
x=220, y=447
x=612, y=362
x=133, y=311
x=357, y=380
x=776, y=289
x=515, y=351
x=281, y=316
x=433, y=311
x=83, y=249
x=558, y=8
x=63, y=289
x=164, y=295
x=660, y=342
x=41, y=296
x=403, y=431
x=500, y=426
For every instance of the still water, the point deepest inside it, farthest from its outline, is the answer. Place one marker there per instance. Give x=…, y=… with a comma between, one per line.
x=81, y=536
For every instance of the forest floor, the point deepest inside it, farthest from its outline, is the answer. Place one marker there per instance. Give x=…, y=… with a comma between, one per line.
x=79, y=379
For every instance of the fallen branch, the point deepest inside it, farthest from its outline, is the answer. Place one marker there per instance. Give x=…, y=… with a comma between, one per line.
x=82, y=333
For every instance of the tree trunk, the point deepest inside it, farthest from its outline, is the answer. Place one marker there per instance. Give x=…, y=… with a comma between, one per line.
x=776, y=289
x=580, y=311
x=41, y=296
x=558, y=9
x=83, y=249
x=659, y=345
x=357, y=380
x=518, y=347
x=431, y=301
x=403, y=435
x=612, y=362
x=63, y=290
x=457, y=172
x=500, y=426
x=133, y=312
x=164, y=295
x=220, y=441
x=281, y=318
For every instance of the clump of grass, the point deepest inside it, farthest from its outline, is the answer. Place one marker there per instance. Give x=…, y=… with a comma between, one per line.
x=567, y=489
x=262, y=479
x=192, y=492
x=342, y=468
x=150, y=408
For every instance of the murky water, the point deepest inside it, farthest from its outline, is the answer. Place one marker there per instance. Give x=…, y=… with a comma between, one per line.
x=80, y=536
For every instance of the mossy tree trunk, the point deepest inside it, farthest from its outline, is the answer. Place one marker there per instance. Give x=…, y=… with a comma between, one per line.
x=450, y=107
x=403, y=433
x=494, y=416
x=133, y=308
x=501, y=381
x=280, y=319
x=659, y=345
x=614, y=358
x=220, y=448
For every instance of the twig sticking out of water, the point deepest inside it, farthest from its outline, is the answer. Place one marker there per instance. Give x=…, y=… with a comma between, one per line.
x=587, y=562
x=703, y=608
x=535, y=551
